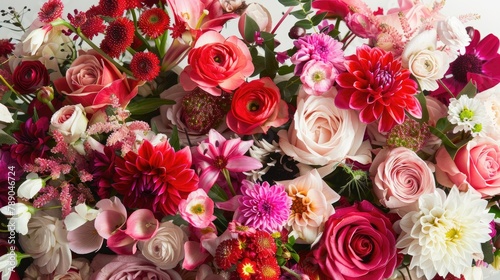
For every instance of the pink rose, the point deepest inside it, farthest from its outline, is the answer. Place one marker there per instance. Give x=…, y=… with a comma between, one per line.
x=400, y=177
x=476, y=164
x=358, y=244
x=92, y=81
x=111, y=267
x=215, y=62
x=255, y=107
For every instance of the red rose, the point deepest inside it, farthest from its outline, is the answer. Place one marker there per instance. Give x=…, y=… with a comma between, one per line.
x=92, y=80
x=217, y=61
x=255, y=107
x=30, y=76
x=358, y=244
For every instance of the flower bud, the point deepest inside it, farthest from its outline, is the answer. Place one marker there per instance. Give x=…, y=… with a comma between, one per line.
x=45, y=94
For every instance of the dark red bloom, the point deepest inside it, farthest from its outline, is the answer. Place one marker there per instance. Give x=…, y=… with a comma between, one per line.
x=10, y=173
x=112, y=8
x=145, y=66
x=228, y=253
x=377, y=86
x=154, y=22
x=30, y=76
x=6, y=47
x=263, y=244
x=268, y=269
x=32, y=141
x=89, y=22
x=119, y=36
x=151, y=3
x=50, y=11
x=103, y=170
x=156, y=178
x=478, y=64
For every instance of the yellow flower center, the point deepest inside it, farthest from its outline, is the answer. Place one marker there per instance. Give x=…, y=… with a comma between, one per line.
x=197, y=209
x=453, y=235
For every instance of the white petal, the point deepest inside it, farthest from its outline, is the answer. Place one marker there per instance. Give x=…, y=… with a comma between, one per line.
x=22, y=223
x=73, y=221
x=29, y=188
x=5, y=115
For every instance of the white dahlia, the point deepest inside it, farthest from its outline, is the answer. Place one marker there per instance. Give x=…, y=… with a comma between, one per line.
x=446, y=233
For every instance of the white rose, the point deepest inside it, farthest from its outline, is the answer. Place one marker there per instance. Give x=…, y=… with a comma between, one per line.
x=322, y=134
x=166, y=248
x=47, y=243
x=259, y=14
x=70, y=121
x=423, y=60
x=491, y=100
x=80, y=270
x=453, y=33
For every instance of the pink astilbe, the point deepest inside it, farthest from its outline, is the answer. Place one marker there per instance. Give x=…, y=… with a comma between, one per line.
x=65, y=198
x=42, y=165
x=46, y=195
x=84, y=195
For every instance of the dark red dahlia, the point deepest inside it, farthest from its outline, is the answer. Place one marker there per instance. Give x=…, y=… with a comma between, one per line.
x=112, y=8
x=32, y=141
x=145, y=66
x=377, y=86
x=155, y=178
x=50, y=11
x=478, y=64
x=228, y=253
x=154, y=22
x=119, y=36
x=263, y=244
x=6, y=47
x=103, y=170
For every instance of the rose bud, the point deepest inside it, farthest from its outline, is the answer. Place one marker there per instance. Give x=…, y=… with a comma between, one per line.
x=259, y=14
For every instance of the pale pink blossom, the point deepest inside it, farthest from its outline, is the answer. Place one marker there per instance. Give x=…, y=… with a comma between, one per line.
x=197, y=209
x=70, y=121
x=318, y=77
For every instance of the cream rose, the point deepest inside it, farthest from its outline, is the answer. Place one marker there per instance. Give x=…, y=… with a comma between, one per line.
x=70, y=121
x=399, y=178
x=166, y=248
x=453, y=33
x=423, y=60
x=491, y=100
x=322, y=134
x=47, y=243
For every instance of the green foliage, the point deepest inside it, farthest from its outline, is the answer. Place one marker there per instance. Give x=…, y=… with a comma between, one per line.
x=174, y=139
x=147, y=105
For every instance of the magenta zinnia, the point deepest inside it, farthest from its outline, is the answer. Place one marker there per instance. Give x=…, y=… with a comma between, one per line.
x=155, y=178
x=263, y=207
x=377, y=86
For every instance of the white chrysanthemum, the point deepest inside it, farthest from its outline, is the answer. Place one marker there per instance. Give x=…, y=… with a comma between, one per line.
x=446, y=233
x=468, y=114
x=261, y=150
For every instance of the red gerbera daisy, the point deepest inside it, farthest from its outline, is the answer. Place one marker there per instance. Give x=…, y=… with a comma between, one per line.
x=145, y=66
x=154, y=22
x=112, y=8
x=268, y=269
x=479, y=64
x=119, y=36
x=6, y=47
x=51, y=10
x=246, y=268
x=228, y=253
x=377, y=86
x=156, y=178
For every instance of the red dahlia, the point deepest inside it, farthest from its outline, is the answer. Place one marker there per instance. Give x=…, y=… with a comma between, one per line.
x=154, y=22
x=268, y=269
x=228, y=253
x=51, y=10
x=32, y=141
x=263, y=244
x=377, y=86
x=145, y=66
x=155, y=178
x=119, y=36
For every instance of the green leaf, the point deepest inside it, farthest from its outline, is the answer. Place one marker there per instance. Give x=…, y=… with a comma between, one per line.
x=300, y=14
x=295, y=256
x=446, y=141
x=305, y=23
x=7, y=139
x=495, y=210
x=217, y=194
x=470, y=90
x=250, y=28
x=174, y=139
x=487, y=248
x=147, y=105
x=291, y=240
x=289, y=3
x=423, y=104
x=443, y=124
x=316, y=19
x=307, y=5
x=286, y=69
x=271, y=65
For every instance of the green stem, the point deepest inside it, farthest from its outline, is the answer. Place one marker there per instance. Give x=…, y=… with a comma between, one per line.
x=228, y=180
x=293, y=273
x=20, y=96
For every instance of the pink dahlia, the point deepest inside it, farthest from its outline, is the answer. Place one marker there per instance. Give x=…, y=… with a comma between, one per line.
x=479, y=64
x=263, y=207
x=155, y=178
x=216, y=155
x=377, y=86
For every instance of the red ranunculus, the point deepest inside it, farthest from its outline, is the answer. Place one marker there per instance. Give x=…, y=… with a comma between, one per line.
x=256, y=106
x=217, y=62
x=30, y=76
x=92, y=81
x=358, y=244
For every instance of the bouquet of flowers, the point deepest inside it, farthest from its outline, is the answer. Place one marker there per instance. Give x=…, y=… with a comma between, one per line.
x=140, y=142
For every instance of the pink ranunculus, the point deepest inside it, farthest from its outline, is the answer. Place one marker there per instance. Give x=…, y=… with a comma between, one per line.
x=93, y=81
x=476, y=164
x=358, y=244
x=110, y=267
x=215, y=62
x=255, y=107
x=400, y=177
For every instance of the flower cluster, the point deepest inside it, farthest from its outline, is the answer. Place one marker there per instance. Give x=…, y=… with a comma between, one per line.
x=140, y=142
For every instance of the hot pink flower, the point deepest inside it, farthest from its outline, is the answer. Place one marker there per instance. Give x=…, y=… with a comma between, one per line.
x=216, y=154
x=377, y=86
x=197, y=209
